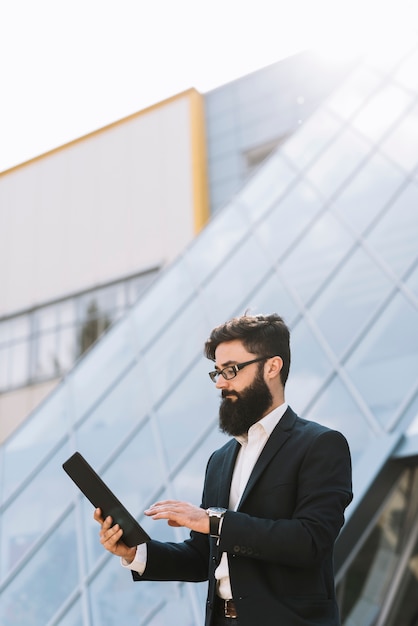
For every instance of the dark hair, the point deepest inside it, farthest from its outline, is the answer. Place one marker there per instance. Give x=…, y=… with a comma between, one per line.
x=260, y=334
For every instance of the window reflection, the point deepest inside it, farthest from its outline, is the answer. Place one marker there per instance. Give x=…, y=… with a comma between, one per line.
x=365, y=586
x=45, y=343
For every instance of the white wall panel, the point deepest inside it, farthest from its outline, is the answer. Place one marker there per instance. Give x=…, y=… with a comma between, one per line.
x=105, y=206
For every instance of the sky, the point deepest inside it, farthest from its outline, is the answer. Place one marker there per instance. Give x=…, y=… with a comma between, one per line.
x=68, y=68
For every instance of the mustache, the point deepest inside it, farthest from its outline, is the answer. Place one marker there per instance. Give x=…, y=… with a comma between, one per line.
x=225, y=393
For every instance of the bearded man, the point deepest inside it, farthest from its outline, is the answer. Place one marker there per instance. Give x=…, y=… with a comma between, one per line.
x=273, y=499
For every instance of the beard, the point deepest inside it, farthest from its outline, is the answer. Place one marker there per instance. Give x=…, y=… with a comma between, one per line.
x=237, y=415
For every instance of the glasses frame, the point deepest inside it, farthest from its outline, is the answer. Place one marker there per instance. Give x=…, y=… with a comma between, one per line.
x=234, y=369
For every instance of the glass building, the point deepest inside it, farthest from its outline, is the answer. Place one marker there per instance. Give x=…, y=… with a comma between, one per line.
x=324, y=233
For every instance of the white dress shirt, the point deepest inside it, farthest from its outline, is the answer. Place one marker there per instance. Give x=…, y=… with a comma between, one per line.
x=251, y=447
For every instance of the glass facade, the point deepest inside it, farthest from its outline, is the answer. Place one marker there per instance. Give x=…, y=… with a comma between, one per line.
x=45, y=342
x=325, y=234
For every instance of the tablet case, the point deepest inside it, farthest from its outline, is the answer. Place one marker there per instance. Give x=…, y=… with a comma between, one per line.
x=102, y=497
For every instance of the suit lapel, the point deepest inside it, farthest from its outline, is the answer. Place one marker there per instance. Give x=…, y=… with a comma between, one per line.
x=277, y=439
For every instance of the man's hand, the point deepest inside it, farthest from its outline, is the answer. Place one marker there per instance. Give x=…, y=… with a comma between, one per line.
x=110, y=537
x=180, y=514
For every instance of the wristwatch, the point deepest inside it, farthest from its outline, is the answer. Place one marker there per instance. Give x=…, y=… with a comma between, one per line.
x=215, y=513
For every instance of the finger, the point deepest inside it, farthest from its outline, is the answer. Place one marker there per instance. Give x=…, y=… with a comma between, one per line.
x=98, y=516
x=111, y=537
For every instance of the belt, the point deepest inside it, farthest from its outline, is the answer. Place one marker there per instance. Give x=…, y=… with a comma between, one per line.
x=226, y=608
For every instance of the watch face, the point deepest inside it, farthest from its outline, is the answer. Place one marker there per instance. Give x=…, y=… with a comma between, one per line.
x=216, y=510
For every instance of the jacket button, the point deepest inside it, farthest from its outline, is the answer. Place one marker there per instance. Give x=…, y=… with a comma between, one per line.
x=236, y=548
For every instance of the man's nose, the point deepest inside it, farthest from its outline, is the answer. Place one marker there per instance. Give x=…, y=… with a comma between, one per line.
x=221, y=383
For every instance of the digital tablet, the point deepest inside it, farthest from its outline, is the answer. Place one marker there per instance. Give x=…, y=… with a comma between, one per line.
x=102, y=497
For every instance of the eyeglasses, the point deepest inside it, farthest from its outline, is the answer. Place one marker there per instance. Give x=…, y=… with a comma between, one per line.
x=231, y=371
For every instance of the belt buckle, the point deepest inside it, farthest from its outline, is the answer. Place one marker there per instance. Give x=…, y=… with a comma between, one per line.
x=229, y=609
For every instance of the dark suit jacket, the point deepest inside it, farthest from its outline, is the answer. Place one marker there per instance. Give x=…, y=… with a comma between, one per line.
x=280, y=540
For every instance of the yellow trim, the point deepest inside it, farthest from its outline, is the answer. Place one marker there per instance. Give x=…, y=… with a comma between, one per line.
x=190, y=93
x=199, y=161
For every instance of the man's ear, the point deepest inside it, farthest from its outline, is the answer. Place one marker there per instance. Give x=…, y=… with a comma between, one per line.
x=274, y=366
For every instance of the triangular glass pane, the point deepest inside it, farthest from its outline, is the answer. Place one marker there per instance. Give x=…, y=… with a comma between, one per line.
x=316, y=255
x=385, y=364
x=338, y=163
x=368, y=192
x=309, y=367
x=395, y=236
x=336, y=409
x=401, y=144
x=382, y=111
x=287, y=220
x=349, y=300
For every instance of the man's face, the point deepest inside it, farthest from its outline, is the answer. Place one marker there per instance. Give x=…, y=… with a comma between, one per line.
x=245, y=398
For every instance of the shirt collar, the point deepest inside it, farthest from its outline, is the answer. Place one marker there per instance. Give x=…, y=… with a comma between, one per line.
x=268, y=422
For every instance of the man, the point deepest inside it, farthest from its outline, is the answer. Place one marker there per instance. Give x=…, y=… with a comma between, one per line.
x=273, y=499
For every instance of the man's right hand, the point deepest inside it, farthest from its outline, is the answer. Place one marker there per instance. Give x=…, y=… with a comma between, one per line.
x=111, y=538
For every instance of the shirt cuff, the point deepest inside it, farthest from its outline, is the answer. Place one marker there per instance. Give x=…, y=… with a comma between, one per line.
x=139, y=563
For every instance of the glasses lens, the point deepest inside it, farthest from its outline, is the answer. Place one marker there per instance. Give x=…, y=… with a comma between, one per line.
x=213, y=376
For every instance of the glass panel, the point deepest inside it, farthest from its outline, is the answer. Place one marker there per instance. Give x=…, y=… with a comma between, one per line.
x=5, y=368
x=184, y=415
x=46, y=348
x=39, y=434
x=337, y=409
x=5, y=331
x=101, y=367
x=353, y=92
x=19, y=370
x=384, y=366
x=136, y=477
x=215, y=243
x=407, y=72
x=34, y=510
x=136, y=286
x=67, y=348
x=368, y=192
x=115, y=601
x=396, y=234
x=405, y=610
x=338, y=162
x=349, y=300
x=288, y=219
x=114, y=417
x=311, y=139
x=316, y=256
x=67, y=312
x=382, y=111
x=401, y=143
x=173, y=286
x=188, y=483
x=226, y=293
x=19, y=327
x=175, y=350
x=271, y=297
x=371, y=574
x=46, y=318
x=268, y=184
x=38, y=590
x=74, y=617
x=309, y=367
x=412, y=281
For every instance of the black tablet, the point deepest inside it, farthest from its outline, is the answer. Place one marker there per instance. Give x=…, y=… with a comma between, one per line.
x=102, y=497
